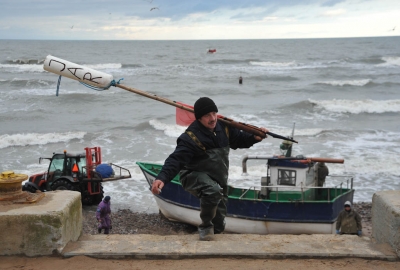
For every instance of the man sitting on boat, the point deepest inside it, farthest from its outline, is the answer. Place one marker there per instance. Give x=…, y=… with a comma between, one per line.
x=202, y=159
x=348, y=221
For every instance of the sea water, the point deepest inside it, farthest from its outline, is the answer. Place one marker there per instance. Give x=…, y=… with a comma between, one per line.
x=342, y=94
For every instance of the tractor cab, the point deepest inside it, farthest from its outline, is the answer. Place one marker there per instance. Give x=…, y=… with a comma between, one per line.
x=65, y=165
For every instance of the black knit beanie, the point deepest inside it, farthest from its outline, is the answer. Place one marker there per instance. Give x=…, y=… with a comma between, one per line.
x=203, y=106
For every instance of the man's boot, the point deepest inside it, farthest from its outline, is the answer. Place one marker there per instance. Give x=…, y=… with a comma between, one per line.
x=206, y=234
x=206, y=228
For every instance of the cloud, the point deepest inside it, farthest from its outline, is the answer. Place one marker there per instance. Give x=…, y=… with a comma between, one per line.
x=332, y=3
x=334, y=12
x=205, y=19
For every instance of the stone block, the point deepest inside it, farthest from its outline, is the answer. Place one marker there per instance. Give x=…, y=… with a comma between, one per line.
x=41, y=228
x=386, y=218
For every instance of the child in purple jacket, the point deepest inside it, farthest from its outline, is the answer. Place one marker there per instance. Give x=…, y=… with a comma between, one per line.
x=103, y=215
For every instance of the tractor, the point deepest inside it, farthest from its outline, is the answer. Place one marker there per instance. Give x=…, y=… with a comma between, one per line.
x=77, y=172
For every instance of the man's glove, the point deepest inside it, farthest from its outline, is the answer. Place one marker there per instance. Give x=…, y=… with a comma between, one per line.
x=337, y=232
x=359, y=233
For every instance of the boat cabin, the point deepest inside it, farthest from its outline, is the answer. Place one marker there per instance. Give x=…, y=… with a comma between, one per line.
x=289, y=178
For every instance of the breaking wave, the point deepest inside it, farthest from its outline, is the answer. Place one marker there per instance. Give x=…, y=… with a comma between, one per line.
x=25, y=139
x=274, y=64
x=171, y=130
x=358, y=106
x=347, y=82
x=390, y=61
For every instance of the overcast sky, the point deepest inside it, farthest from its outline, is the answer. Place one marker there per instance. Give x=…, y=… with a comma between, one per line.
x=196, y=19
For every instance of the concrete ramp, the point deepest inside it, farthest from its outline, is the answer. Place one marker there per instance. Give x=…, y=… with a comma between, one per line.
x=228, y=245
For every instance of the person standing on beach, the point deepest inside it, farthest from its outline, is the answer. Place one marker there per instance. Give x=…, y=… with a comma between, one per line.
x=201, y=157
x=348, y=221
x=103, y=213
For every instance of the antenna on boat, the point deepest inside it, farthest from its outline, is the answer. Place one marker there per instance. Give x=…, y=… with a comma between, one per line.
x=286, y=145
x=294, y=124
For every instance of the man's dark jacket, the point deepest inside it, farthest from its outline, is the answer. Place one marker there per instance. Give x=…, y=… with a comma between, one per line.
x=186, y=148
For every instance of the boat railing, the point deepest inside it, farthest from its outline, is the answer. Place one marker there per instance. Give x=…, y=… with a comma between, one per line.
x=338, y=189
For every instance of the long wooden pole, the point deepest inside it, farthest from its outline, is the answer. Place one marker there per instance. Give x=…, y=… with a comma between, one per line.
x=243, y=126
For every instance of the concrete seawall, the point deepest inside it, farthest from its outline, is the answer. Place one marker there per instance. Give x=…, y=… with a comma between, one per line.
x=41, y=228
x=386, y=218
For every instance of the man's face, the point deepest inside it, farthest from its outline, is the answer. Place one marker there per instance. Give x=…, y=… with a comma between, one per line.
x=209, y=120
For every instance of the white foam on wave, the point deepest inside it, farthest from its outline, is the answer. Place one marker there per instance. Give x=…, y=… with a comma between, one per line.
x=282, y=66
x=25, y=139
x=21, y=68
x=171, y=130
x=15, y=68
x=105, y=66
x=273, y=64
x=390, y=61
x=347, y=82
x=131, y=193
x=370, y=152
x=299, y=132
x=278, y=129
x=358, y=106
x=53, y=91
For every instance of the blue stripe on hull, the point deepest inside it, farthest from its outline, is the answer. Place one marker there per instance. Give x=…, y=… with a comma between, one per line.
x=315, y=212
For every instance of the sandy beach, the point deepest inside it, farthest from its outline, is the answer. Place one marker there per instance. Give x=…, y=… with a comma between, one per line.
x=86, y=263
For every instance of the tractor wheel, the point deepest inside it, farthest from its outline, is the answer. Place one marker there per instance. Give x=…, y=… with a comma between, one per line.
x=88, y=199
x=62, y=184
x=29, y=188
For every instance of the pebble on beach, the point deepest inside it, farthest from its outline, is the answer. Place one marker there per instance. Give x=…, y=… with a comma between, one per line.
x=124, y=221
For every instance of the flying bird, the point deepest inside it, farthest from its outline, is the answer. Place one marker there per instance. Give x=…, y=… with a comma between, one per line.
x=153, y=8
x=394, y=28
x=72, y=27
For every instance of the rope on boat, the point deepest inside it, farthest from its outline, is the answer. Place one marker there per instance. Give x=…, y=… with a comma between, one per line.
x=112, y=83
x=58, y=85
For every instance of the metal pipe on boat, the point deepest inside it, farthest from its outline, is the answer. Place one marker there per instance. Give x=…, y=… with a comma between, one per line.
x=244, y=161
x=326, y=160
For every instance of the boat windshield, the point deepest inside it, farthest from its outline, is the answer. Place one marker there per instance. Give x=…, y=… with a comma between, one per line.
x=287, y=177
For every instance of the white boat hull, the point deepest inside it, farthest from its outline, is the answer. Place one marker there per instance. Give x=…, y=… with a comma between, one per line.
x=245, y=226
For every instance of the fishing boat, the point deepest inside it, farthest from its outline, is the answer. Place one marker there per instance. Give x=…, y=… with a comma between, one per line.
x=290, y=198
